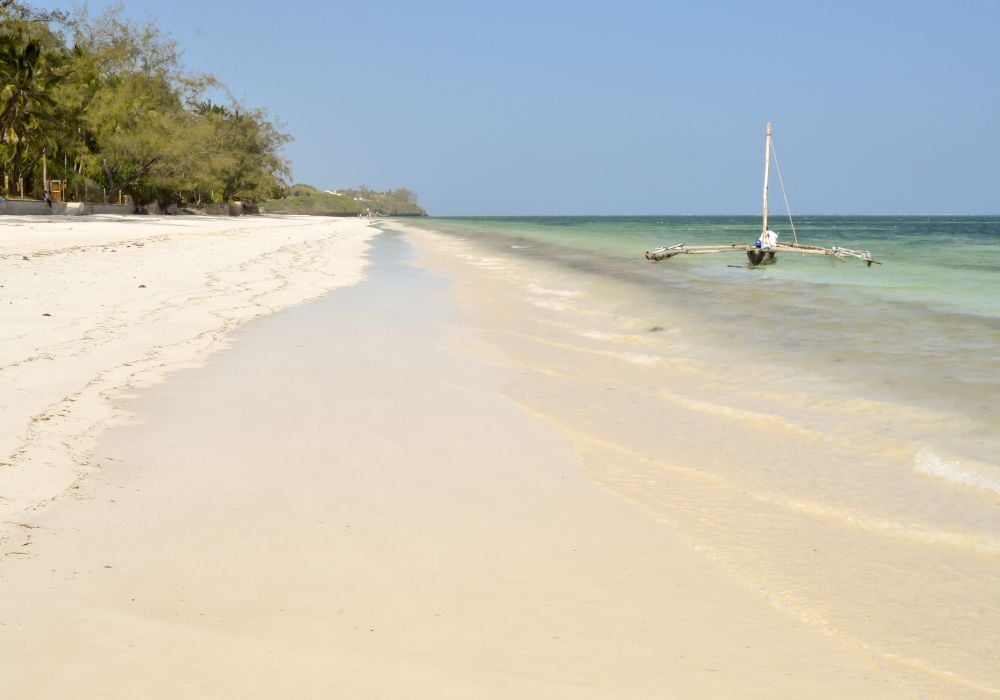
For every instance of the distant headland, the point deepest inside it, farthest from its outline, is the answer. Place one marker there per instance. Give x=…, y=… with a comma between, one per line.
x=306, y=199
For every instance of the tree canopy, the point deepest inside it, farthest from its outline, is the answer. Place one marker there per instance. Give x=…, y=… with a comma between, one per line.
x=108, y=105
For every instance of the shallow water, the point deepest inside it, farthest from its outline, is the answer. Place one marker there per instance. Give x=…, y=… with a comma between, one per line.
x=921, y=330
x=829, y=432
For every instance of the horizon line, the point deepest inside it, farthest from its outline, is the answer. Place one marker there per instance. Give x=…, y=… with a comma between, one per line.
x=757, y=215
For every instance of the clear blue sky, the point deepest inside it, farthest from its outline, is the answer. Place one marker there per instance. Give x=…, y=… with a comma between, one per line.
x=619, y=107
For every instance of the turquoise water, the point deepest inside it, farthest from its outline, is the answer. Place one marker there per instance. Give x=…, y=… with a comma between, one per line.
x=949, y=263
x=921, y=330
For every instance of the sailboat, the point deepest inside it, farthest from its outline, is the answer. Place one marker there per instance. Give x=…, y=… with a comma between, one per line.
x=764, y=250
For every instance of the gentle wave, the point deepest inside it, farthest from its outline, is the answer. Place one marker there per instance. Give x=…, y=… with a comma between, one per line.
x=543, y=291
x=962, y=472
x=617, y=337
x=638, y=358
x=550, y=304
x=887, y=526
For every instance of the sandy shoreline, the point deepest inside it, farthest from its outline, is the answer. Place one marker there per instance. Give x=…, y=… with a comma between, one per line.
x=368, y=517
x=97, y=307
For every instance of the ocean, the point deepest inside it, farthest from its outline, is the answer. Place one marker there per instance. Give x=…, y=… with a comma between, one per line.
x=827, y=431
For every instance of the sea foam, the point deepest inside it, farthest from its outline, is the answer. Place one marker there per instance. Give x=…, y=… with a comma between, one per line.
x=616, y=337
x=544, y=291
x=963, y=472
x=640, y=358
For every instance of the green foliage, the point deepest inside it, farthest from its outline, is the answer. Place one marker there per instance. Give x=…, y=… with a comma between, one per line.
x=239, y=151
x=306, y=199
x=32, y=66
x=113, y=101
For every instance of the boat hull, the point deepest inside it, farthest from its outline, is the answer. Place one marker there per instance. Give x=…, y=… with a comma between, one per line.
x=758, y=256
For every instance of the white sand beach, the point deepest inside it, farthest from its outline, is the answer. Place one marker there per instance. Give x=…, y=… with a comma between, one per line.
x=338, y=500
x=96, y=307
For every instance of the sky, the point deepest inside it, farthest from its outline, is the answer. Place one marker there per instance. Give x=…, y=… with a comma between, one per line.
x=619, y=107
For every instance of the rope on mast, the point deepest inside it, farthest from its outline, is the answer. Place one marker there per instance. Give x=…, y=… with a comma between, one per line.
x=788, y=209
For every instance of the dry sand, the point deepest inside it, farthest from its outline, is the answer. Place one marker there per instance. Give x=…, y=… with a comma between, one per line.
x=341, y=504
x=95, y=307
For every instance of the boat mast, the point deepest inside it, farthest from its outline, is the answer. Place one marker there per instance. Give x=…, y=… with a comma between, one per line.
x=767, y=163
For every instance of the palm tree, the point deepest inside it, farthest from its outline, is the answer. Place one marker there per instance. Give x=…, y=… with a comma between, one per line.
x=26, y=105
x=23, y=86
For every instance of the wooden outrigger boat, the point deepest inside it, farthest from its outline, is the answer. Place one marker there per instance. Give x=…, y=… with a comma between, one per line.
x=761, y=256
x=761, y=253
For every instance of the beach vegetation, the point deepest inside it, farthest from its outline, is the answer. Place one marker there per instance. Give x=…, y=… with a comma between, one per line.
x=105, y=105
x=240, y=151
x=32, y=65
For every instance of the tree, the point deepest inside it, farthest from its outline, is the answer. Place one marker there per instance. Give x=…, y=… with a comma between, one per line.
x=118, y=103
x=246, y=162
x=405, y=195
x=31, y=69
x=132, y=115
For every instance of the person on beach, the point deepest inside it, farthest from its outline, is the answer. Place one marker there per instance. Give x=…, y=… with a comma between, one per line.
x=48, y=200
